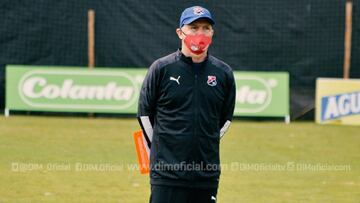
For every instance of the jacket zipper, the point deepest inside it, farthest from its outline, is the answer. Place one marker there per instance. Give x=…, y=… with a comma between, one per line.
x=195, y=142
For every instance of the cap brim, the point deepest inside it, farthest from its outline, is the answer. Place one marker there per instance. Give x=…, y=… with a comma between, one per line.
x=190, y=20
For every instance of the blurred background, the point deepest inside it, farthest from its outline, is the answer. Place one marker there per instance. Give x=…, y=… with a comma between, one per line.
x=304, y=38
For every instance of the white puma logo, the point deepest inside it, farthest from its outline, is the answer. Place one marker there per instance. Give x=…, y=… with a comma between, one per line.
x=176, y=80
x=213, y=198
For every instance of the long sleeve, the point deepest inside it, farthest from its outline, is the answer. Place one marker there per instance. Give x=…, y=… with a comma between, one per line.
x=147, y=103
x=229, y=105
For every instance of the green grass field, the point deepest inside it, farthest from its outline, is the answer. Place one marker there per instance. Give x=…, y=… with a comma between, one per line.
x=43, y=159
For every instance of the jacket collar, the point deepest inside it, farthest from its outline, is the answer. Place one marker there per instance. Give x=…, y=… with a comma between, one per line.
x=187, y=59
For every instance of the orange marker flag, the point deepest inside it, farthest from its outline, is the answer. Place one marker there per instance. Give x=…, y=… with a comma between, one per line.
x=142, y=151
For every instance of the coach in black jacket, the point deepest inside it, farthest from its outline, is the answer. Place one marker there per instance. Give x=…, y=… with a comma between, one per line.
x=186, y=105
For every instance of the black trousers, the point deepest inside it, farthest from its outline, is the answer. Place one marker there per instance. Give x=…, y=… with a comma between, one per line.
x=171, y=194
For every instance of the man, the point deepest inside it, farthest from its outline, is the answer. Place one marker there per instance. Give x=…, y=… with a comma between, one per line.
x=186, y=105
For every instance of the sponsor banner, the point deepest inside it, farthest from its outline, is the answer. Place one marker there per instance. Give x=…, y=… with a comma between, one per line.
x=338, y=101
x=262, y=94
x=103, y=90
x=73, y=89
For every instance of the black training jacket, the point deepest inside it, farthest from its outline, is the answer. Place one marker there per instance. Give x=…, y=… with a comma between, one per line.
x=184, y=109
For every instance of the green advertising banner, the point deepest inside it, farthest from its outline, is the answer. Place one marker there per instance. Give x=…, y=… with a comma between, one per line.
x=262, y=94
x=73, y=89
x=102, y=90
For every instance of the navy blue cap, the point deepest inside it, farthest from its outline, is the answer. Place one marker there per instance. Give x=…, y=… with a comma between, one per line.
x=193, y=13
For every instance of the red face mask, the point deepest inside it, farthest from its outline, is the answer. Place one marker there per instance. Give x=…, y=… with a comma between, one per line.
x=197, y=43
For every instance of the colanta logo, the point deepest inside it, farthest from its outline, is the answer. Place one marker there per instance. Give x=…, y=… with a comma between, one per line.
x=340, y=105
x=69, y=90
x=253, y=93
x=78, y=89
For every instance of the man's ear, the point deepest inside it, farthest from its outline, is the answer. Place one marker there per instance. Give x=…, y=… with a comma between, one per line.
x=179, y=33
